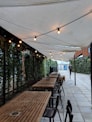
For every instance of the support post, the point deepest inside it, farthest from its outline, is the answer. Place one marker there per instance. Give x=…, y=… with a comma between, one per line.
x=91, y=69
x=4, y=72
x=74, y=71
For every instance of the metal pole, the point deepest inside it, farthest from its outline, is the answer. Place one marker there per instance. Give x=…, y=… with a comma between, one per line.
x=4, y=73
x=91, y=69
x=74, y=71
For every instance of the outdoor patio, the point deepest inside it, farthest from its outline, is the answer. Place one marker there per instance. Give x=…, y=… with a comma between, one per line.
x=79, y=95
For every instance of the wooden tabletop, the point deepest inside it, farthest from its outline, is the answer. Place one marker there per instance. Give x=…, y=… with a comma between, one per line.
x=54, y=75
x=27, y=107
x=45, y=83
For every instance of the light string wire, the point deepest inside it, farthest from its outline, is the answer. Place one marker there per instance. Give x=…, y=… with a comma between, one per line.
x=42, y=34
x=37, y=3
x=66, y=23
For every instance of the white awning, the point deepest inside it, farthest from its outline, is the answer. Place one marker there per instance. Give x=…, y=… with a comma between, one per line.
x=41, y=18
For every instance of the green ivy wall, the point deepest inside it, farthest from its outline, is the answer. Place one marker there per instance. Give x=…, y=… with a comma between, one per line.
x=82, y=65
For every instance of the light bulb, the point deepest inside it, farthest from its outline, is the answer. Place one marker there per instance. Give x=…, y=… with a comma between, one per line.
x=58, y=30
x=35, y=51
x=18, y=45
x=35, y=38
x=20, y=41
x=9, y=41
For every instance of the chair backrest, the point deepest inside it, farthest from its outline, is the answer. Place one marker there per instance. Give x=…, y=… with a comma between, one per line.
x=56, y=105
x=69, y=111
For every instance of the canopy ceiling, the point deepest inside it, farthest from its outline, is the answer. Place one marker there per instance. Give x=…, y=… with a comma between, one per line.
x=41, y=18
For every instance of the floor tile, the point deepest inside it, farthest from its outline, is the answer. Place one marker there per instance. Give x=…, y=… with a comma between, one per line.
x=80, y=97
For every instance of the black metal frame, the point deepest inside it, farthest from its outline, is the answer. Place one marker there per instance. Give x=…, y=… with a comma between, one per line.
x=14, y=68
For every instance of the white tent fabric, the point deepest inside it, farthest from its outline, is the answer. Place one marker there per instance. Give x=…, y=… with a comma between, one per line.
x=41, y=18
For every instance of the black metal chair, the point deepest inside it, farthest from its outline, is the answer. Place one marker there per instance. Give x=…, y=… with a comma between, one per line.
x=69, y=111
x=61, y=85
x=57, y=92
x=50, y=112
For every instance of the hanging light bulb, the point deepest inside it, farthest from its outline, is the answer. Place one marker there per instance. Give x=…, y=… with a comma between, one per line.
x=35, y=51
x=18, y=45
x=37, y=55
x=58, y=30
x=20, y=41
x=35, y=38
x=9, y=41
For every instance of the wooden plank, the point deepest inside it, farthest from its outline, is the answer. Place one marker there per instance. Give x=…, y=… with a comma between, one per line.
x=28, y=107
x=45, y=83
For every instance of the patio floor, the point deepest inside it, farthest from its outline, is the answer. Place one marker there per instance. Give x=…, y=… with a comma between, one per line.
x=79, y=95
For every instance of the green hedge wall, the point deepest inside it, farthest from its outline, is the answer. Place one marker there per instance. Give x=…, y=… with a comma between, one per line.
x=49, y=63
x=82, y=65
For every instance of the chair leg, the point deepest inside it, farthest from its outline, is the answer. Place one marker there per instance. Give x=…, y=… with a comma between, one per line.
x=49, y=119
x=61, y=100
x=63, y=90
x=59, y=115
x=53, y=119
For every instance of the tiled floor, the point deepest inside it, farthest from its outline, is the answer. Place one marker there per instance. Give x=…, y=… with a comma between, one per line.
x=79, y=95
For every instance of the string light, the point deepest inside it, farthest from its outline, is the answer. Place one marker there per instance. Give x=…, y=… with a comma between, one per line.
x=37, y=55
x=18, y=45
x=89, y=12
x=20, y=42
x=10, y=41
x=35, y=38
x=35, y=51
x=58, y=30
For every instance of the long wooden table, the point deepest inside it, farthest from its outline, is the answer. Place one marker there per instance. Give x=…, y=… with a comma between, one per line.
x=29, y=106
x=53, y=75
x=45, y=83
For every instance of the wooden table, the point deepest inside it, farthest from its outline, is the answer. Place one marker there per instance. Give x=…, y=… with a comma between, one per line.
x=53, y=75
x=45, y=84
x=27, y=107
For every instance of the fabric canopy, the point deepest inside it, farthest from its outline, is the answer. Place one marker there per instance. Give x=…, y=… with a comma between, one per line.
x=27, y=19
